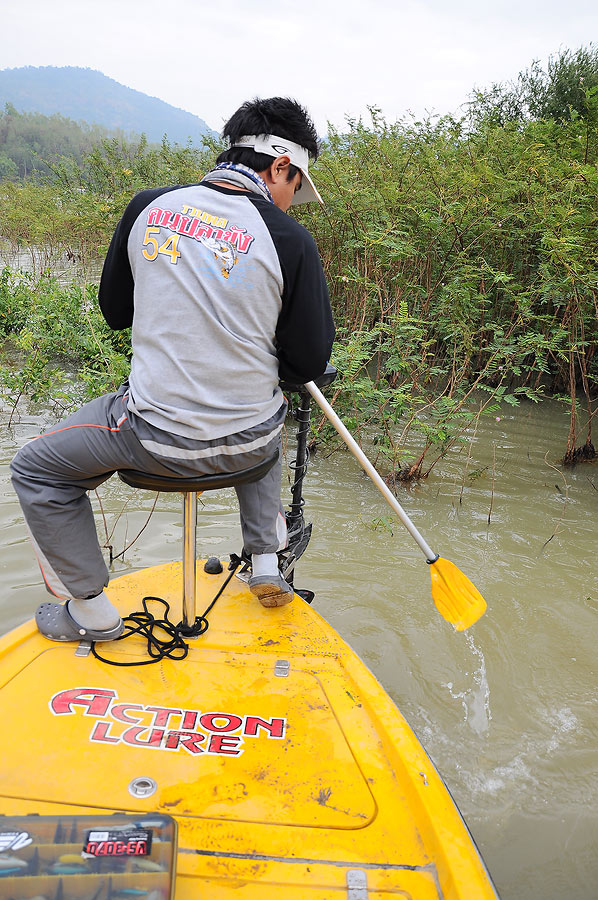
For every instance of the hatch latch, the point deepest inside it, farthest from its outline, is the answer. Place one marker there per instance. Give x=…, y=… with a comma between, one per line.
x=357, y=885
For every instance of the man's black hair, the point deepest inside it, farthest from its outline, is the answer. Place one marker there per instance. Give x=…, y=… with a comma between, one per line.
x=278, y=115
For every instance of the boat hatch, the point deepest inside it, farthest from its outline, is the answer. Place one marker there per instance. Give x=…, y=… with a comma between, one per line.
x=222, y=738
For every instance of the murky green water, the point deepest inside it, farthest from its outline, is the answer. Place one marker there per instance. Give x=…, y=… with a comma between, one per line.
x=508, y=710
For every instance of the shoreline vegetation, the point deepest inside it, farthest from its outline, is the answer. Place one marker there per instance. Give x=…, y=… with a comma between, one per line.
x=461, y=254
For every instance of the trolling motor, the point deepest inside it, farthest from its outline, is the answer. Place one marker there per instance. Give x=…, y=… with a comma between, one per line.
x=299, y=532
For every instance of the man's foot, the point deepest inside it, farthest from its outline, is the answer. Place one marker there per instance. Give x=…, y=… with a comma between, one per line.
x=56, y=623
x=272, y=590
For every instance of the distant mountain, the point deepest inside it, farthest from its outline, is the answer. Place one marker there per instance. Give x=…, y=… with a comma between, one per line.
x=89, y=96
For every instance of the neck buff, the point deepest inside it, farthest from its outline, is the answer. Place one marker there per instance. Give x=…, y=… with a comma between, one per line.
x=240, y=175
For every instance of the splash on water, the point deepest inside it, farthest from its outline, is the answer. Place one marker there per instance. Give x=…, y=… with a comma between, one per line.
x=522, y=770
x=475, y=700
x=564, y=722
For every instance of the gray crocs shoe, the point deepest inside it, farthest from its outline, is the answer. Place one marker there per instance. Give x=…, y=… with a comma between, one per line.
x=55, y=622
x=272, y=590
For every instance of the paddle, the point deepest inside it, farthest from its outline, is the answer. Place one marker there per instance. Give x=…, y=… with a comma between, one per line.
x=456, y=598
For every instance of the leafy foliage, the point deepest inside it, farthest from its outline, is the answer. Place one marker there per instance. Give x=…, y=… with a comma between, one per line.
x=563, y=91
x=57, y=345
x=461, y=261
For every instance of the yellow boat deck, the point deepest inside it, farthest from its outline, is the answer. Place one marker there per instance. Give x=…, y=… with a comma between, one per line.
x=290, y=772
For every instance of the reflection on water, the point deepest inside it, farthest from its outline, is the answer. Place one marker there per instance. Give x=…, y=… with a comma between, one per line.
x=62, y=263
x=507, y=711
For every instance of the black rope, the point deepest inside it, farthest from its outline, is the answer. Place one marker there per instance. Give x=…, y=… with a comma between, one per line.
x=144, y=623
x=201, y=624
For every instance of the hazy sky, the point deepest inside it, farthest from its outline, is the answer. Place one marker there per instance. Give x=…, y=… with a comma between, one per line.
x=336, y=57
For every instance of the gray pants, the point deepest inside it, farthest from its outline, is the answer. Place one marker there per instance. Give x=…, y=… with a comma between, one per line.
x=53, y=473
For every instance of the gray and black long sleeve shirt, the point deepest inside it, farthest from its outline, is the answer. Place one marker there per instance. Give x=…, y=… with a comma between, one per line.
x=226, y=294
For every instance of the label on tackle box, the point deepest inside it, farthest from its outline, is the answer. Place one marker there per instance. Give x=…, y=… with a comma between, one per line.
x=132, y=842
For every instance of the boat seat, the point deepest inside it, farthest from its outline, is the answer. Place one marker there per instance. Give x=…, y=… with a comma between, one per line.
x=198, y=484
x=191, y=488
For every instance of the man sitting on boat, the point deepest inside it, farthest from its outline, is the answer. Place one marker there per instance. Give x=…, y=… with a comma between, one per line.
x=226, y=295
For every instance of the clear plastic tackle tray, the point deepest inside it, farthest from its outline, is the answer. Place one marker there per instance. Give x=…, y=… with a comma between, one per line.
x=97, y=857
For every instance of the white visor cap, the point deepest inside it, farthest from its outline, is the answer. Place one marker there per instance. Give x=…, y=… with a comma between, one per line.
x=275, y=146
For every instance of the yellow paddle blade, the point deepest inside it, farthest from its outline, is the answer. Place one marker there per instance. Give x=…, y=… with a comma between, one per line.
x=456, y=598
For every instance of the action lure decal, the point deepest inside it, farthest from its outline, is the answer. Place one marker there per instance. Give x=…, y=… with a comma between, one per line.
x=161, y=727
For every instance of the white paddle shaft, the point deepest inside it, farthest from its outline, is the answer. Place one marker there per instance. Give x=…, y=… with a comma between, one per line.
x=370, y=470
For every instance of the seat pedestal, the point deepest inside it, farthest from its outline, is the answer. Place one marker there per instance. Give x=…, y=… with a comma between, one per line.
x=191, y=488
